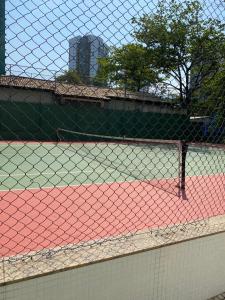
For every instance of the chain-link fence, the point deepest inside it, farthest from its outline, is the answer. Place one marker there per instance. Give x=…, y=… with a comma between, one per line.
x=112, y=128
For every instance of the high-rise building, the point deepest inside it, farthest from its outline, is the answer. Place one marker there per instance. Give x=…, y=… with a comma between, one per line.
x=84, y=53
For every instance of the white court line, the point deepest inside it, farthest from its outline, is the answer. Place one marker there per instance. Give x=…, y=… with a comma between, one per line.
x=73, y=186
x=43, y=173
x=61, y=186
x=56, y=173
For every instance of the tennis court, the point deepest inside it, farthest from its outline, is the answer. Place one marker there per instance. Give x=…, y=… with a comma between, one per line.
x=55, y=194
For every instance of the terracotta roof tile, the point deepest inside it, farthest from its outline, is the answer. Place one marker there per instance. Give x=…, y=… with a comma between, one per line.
x=74, y=90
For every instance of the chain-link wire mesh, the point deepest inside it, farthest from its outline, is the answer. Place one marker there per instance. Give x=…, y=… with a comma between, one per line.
x=219, y=297
x=112, y=127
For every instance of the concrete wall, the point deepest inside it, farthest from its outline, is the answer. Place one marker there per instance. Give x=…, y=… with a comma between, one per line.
x=22, y=95
x=39, y=96
x=192, y=270
x=132, y=105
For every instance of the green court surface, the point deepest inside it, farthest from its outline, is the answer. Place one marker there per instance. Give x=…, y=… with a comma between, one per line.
x=36, y=165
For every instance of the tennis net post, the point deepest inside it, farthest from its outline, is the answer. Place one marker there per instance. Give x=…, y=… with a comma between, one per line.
x=184, y=150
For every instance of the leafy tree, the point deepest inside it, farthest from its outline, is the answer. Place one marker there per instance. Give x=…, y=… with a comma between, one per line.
x=70, y=77
x=74, y=77
x=184, y=46
x=212, y=95
x=101, y=79
x=211, y=102
x=128, y=66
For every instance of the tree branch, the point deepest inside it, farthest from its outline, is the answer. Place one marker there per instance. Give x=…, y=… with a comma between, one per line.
x=173, y=86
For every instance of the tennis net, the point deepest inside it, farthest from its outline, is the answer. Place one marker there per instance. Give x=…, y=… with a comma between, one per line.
x=160, y=162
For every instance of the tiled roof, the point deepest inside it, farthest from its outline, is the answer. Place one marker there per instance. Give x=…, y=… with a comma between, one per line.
x=26, y=82
x=71, y=90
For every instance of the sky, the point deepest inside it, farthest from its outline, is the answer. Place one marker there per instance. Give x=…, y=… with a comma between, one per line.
x=37, y=32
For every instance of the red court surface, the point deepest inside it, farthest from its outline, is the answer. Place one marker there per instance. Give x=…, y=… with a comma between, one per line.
x=36, y=219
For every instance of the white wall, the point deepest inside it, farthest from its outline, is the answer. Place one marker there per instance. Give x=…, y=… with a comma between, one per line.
x=189, y=270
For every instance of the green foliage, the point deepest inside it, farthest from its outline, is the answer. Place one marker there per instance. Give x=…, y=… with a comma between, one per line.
x=73, y=77
x=185, y=47
x=212, y=95
x=129, y=66
x=101, y=78
x=70, y=77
